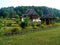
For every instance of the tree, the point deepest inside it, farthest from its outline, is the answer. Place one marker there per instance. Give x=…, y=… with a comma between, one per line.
x=26, y=22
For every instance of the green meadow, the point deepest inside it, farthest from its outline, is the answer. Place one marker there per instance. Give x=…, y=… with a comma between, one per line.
x=43, y=37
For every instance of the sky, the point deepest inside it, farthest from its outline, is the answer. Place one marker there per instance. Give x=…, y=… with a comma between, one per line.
x=48, y=3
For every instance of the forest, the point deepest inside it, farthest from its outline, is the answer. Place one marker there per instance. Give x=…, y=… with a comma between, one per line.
x=7, y=12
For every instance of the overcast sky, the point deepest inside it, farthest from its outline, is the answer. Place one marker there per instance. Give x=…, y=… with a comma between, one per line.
x=48, y=3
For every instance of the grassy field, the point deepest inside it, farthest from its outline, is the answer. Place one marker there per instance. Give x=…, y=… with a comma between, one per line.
x=43, y=37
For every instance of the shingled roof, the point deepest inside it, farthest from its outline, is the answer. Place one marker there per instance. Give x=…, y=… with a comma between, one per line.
x=47, y=16
x=30, y=12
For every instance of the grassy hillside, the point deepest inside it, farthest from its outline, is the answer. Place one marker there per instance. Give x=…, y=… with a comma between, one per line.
x=43, y=37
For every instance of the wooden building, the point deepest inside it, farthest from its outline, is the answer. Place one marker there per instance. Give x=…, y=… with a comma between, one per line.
x=32, y=14
x=47, y=19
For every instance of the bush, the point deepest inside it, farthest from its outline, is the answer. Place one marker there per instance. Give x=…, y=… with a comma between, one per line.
x=50, y=25
x=15, y=25
x=57, y=24
x=9, y=24
x=23, y=24
x=36, y=25
x=5, y=30
x=43, y=26
x=1, y=25
x=16, y=30
x=29, y=28
x=10, y=30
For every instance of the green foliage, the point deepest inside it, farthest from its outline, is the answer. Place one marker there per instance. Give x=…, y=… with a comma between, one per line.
x=1, y=23
x=49, y=36
x=57, y=24
x=29, y=28
x=9, y=24
x=44, y=26
x=16, y=30
x=14, y=25
x=36, y=25
x=10, y=30
x=25, y=23
x=13, y=12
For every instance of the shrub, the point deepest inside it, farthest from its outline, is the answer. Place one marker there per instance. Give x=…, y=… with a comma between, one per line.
x=10, y=30
x=43, y=26
x=15, y=25
x=19, y=22
x=29, y=28
x=9, y=24
x=6, y=30
x=50, y=25
x=25, y=23
x=36, y=25
x=16, y=30
x=57, y=24
x=1, y=25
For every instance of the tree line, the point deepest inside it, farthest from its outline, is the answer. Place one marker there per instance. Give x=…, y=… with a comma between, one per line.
x=8, y=12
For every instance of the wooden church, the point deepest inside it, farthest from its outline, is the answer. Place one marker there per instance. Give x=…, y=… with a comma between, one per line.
x=32, y=14
x=47, y=19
